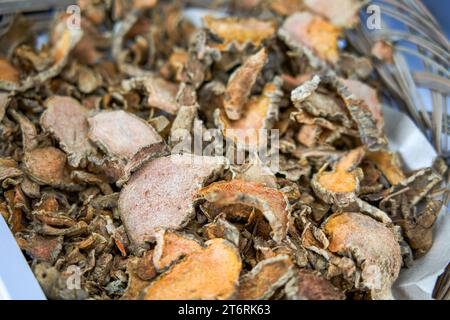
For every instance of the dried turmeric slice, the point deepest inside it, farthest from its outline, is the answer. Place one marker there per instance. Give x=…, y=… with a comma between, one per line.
x=171, y=246
x=9, y=78
x=48, y=166
x=340, y=186
x=309, y=32
x=270, y=202
x=66, y=118
x=373, y=246
x=241, y=82
x=239, y=32
x=307, y=285
x=265, y=278
x=389, y=164
x=258, y=113
x=341, y=13
x=211, y=273
x=160, y=194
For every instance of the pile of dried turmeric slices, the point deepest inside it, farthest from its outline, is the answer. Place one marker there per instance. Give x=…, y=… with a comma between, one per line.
x=94, y=183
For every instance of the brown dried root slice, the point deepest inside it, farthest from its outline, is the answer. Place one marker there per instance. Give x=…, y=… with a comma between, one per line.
x=171, y=246
x=286, y=7
x=28, y=129
x=308, y=285
x=221, y=228
x=126, y=138
x=241, y=82
x=64, y=39
x=48, y=166
x=135, y=282
x=341, y=13
x=41, y=248
x=66, y=118
x=160, y=194
x=364, y=116
x=256, y=171
x=258, y=113
x=265, y=278
x=211, y=273
x=161, y=93
x=369, y=96
x=372, y=245
x=341, y=185
x=270, y=202
x=239, y=32
x=319, y=105
x=418, y=232
x=413, y=189
x=9, y=169
x=311, y=34
x=9, y=76
x=389, y=164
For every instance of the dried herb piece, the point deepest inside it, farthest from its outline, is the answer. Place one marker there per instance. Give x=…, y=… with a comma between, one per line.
x=66, y=118
x=239, y=32
x=171, y=246
x=258, y=113
x=389, y=164
x=265, y=278
x=312, y=35
x=48, y=166
x=270, y=202
x=125, y=138
x=341, y=185
x=372, y=245
x=307, y=285
x=341, y=13
x=211, y=273
x=241, y=82
x=175, y=179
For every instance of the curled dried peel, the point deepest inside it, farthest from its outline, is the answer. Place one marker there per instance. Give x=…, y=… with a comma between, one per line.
x=258, y=113
x=161, y=93
x=66, y=118
x=265, y=278
x=341, y=185
x=365, y=117
x=369, y=96
x=307, y=285
x=160, y=194
x=269, y=201
x=308, y=32
x=171, y=246
x=239, y=31
x=389, y=164
x=372, y=245
x=210, y=273
x=241, y=82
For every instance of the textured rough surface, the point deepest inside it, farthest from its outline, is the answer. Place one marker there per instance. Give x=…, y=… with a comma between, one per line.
x=307, y=285
x=66, y=118
x=372, y=245
x=211, y=273
x=306, y=30
x=241, y=82
x=269, y=201
x=160, y=194
x=121, y=134
x=265, y=278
